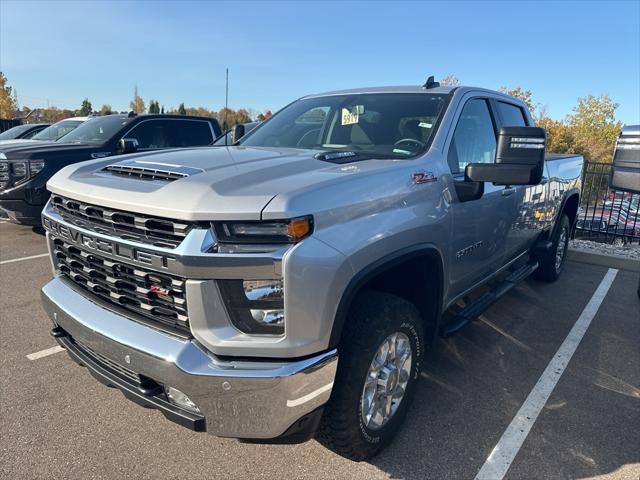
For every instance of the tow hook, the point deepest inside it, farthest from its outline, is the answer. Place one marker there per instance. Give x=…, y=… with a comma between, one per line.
x=57, y=332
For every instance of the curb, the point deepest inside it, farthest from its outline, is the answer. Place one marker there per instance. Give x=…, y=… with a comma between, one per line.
x=612, y=261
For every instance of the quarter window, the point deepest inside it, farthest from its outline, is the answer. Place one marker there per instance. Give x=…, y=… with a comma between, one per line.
x=474, y=140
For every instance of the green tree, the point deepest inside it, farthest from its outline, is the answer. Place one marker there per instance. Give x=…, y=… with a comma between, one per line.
x=162, y=110
x=106, y=110
x=154, y=106
x=7, y=102
x=182, y=110
x=86, y=108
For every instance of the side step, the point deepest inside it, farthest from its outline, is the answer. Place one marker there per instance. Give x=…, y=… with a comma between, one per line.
x=472, y=311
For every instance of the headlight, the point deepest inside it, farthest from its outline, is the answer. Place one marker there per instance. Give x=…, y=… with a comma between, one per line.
x=255, y=307
x=271, y=232
x=25, y=170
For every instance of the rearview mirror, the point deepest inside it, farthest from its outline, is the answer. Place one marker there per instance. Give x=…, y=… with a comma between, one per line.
x=519, y=158
x=625, y=169
x=128, y=145
x=237, y=132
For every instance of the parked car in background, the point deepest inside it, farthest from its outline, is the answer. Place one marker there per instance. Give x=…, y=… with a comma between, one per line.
x=49, y=134
x=292, y=284
x=26, y=168
x=25, y=131
x=230, y=136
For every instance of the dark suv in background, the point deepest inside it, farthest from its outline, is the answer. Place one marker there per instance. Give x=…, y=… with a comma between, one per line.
x=26, y=168
x=25, y=131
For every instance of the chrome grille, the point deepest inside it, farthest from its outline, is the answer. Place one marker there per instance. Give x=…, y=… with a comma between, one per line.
x=156, y=296
x=157, y=231
x=4, y=175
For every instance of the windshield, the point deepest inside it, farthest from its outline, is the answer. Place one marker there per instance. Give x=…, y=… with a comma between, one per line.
x=57, y=130
x=390, y=125
x=96, y=131
x=14, y=132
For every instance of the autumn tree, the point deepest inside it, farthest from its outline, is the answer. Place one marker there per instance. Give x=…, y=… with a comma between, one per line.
x=137, y=104
x=86, y=108
x=450, y=80
x=7, y=101
x=525, y=95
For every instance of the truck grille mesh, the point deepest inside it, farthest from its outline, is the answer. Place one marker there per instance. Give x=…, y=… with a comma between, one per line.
x=156, y=296
x=157, y=231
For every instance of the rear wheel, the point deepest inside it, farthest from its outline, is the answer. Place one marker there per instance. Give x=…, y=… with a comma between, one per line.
x=551, y=264
x=380, y=356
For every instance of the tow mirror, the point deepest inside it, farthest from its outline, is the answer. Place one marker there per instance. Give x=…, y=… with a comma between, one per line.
x=625, y=169
x=237, y=132
x=519, y=158
x=128, y=145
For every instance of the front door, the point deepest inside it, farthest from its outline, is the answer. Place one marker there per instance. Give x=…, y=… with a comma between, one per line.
x=480, y=227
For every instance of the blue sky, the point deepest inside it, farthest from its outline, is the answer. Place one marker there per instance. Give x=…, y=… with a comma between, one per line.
x=277, y=51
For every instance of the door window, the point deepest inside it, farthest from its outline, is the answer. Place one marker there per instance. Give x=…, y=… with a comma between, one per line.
x=512, y=116
x=153, y=134
x=474, y=140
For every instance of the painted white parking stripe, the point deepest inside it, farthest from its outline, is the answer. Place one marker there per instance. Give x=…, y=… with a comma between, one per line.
x=31, y=257
x=45, y=353
x=514, y=436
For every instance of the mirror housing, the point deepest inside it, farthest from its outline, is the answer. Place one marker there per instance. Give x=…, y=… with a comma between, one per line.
x=625, y=169
x=237, y=132
x=519, y=158
x=128, y=145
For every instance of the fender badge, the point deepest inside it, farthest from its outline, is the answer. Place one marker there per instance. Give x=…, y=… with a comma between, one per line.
x=422, y=176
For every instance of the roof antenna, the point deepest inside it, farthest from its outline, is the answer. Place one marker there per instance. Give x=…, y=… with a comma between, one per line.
x=431, y=83
x=226, y=107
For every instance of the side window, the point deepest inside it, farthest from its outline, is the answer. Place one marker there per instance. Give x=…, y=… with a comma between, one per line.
x=474, y=139
x=152, y=134
x=512, y=116
x=190, y=133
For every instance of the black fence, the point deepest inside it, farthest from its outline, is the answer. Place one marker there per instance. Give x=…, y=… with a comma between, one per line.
x=606, y=215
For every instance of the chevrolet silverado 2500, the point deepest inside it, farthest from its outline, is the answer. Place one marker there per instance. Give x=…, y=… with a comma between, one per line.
x=290, y=285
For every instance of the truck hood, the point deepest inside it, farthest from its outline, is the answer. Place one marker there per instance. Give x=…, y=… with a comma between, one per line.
x=223, y=183
x=18, y=149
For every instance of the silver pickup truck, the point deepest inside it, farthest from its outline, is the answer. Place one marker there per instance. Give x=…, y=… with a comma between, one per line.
x=291, y=285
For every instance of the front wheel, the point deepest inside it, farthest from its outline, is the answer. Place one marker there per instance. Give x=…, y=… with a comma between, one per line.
x=380, y=356
x=551, y=264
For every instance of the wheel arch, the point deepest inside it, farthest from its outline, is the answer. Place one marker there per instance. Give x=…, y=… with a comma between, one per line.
x=569, y=205
x=410, y=273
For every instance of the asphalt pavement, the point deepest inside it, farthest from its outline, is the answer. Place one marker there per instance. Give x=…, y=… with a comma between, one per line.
x=57, y=422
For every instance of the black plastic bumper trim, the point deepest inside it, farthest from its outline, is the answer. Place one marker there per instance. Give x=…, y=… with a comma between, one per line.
x=103, y=375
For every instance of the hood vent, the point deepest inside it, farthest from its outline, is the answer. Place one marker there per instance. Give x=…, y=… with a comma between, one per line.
x=151, y=171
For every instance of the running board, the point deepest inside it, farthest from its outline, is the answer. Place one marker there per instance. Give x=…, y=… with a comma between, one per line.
x=472, y=311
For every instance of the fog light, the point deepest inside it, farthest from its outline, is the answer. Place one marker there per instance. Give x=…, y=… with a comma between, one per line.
x=178, y=398
x=255, y=307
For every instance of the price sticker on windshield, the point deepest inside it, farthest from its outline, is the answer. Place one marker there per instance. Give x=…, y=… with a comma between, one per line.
x=350, y=117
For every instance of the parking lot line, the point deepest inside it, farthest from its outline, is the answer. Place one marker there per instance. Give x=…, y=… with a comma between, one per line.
x=45, y=353
x=516, y=433
x=31, y=257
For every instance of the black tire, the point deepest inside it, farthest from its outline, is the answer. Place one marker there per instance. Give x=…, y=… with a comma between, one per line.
x=548, y=269
x=373, y=317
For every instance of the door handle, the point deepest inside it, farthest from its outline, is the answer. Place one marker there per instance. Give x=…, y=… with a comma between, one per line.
x=508, y=191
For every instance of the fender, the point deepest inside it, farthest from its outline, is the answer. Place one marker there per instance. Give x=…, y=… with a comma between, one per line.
x=563, y=204
x=371, y=271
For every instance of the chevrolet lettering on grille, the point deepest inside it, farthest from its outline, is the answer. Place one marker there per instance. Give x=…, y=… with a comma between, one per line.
x=117, y=250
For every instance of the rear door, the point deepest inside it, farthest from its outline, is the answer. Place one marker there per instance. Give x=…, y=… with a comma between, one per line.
x=530, y=200
x=480, y=227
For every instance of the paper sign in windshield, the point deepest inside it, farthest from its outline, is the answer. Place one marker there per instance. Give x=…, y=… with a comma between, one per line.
x=349, y=117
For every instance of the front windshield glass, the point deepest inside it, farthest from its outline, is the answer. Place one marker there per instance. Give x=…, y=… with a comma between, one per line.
x=14, y=132
x=381, y=125
x=57, y=130
x=96, y=131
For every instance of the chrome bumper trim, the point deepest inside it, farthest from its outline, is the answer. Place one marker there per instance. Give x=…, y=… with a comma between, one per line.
x=257, y=399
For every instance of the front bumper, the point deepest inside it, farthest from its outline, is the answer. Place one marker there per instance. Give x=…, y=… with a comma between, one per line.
x=19, y=211
x=252, y=399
